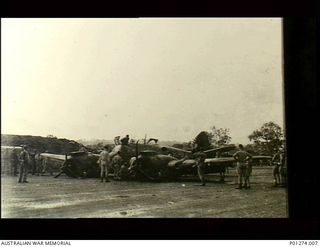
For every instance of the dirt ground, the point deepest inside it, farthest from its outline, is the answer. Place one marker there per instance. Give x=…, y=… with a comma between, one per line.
x=47, y=197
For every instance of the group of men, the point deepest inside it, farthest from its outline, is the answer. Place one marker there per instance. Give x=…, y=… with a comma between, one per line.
x=26, y=161
x=105, y=160
x=244, y=168
x=122, y=141
x=39, y=164
x=105, y=163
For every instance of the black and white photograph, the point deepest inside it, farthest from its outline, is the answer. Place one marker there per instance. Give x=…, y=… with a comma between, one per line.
x=143, y=118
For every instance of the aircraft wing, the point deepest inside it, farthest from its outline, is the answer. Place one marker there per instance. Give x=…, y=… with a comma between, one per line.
x=261, y=157
x=63, y=157
x=219, y=160
x=189, y=162
x=53, y=156
x=213, y=165
x=213, y=150
x=95, y=155
x=221, y=149
x=11, y=147
x=166, y=148
x=181, y=163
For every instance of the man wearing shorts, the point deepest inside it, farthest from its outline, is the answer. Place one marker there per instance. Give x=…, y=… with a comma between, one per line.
x=242, y=157
x=104, y=161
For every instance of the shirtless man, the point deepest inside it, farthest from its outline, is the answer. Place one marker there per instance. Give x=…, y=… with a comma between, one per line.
x=104, y=161
x=117, y=162
x=200, y=158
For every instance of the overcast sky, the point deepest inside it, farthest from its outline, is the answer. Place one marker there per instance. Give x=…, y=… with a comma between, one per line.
x=167, y=78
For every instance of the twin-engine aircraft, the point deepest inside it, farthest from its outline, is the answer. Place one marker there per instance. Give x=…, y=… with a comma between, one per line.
x=148, y=162
x=217, y=161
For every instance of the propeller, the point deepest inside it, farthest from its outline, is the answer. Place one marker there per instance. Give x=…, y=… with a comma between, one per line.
x=137, y=142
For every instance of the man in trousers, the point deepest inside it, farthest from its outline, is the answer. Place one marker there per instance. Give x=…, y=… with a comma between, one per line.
x=23, y=165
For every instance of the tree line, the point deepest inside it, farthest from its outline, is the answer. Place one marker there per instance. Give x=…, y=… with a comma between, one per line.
x=266, y=140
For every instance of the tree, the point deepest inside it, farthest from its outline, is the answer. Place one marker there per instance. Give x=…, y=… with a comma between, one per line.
x=219, y=137
x=268, y=138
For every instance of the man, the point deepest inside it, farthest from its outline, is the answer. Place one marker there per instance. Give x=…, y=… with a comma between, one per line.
x=200, y=158
x=283, y=168
x=104, y=161
x=44, y=166
x=117, y=162
x=242, y=157
x=125, y=140
x=117, y=140
x=24, y=165
x=278, y=161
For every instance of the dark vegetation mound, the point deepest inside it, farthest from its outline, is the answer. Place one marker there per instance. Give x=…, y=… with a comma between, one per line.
x=41, y=144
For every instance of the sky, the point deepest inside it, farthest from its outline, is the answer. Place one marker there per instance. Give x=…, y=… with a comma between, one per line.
x=167, y=78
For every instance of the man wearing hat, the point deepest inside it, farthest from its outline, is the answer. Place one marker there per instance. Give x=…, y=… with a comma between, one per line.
x=23, y=163
x=104, y=161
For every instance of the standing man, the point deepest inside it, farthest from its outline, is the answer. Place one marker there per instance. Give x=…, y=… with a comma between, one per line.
x=24, y=165
x=242, y=157
x=117, y=140
x=44, y=164
x=278, y=161
x=104, y=161
x=200, y=157
x=117, y=162
x=283, y=167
